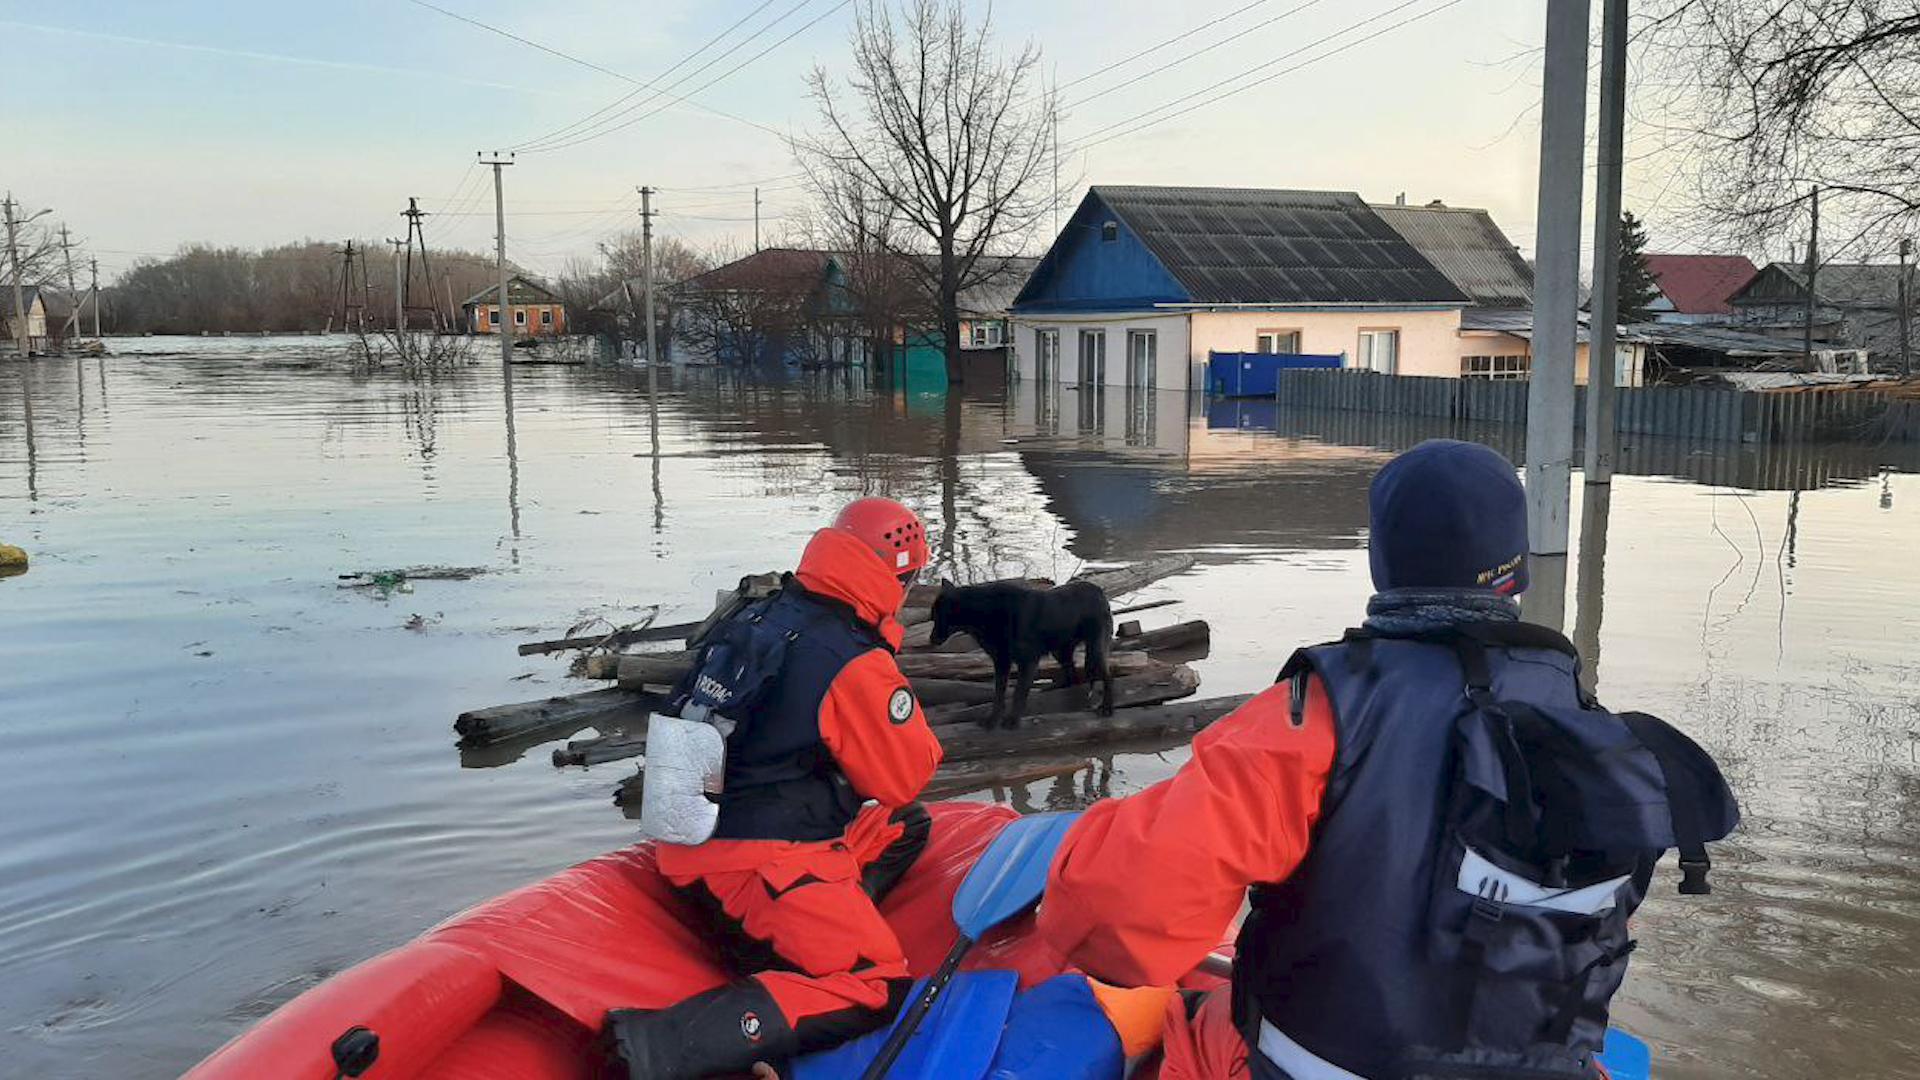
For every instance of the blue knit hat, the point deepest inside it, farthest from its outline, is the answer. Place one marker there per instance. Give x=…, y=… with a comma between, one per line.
x=1448, y=515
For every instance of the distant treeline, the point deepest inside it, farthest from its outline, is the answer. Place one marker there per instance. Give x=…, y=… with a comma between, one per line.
x=292, y=287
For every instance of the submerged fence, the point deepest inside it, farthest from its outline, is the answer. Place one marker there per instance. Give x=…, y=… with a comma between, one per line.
x=1675, y=411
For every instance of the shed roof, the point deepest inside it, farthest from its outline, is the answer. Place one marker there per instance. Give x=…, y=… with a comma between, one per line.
x=1467, y=246
x=766, y=268
x=1519, y=323
x=1701, y=284
x=994, y=296
x=1261, y=246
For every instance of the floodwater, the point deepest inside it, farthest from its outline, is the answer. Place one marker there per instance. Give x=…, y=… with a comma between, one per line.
x=225, y=778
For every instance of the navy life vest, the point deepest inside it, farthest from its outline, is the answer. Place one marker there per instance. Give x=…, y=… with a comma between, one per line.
x=1486, y=832
x=768, y=668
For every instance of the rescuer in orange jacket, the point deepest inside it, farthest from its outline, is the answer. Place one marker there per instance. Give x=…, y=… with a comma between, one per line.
x=797, y=863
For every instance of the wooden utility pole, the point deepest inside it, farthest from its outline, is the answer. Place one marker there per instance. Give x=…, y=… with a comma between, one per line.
x=505, y=318
x=416, y=230
x=756, y=219
x=1906, y=310
x=93, y=291
x=346, y=291
x=1813, y=271
x=1556, y=279
x=1602, y=441
x=646, y=282
x=73, y=286
x=399, y=311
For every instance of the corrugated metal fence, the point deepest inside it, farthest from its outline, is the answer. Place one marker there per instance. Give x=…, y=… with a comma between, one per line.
x=1679, y=412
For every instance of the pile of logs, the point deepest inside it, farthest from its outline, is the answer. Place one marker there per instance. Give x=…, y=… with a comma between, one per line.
x=1153, y=692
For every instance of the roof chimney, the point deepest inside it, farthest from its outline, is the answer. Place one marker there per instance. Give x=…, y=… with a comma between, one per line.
x=1400, y=199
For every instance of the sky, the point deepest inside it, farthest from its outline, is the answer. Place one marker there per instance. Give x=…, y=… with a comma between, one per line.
x=146, y=125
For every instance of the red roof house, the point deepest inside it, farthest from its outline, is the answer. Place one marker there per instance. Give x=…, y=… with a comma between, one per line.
x=1699, y=288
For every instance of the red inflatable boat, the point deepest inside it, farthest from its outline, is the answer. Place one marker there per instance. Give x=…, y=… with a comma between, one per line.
x=516, y=987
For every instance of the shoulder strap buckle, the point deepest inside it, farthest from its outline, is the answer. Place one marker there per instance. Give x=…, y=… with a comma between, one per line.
x=1693, y=874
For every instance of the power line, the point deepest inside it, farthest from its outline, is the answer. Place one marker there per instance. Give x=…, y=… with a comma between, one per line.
x=570, y=58
x=1099, y=136
x=755, y=58
x=644, y=85
x=1160, y=45
x=1204, y=49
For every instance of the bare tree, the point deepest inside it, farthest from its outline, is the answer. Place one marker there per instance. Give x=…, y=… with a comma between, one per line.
x=604, y=292
x=1786, y=95
x=939, y=129
x=865, y=235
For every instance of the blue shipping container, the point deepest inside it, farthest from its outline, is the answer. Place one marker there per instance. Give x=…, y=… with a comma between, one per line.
x=1245, y=374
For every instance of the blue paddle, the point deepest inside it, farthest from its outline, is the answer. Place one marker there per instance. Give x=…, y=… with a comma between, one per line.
x=1008, y=879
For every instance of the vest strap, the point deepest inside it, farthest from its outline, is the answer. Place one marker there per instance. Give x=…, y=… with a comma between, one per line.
x=1299, y=1062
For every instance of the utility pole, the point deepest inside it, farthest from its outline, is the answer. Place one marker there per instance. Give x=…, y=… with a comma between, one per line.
x=1813, y=271
x=500, y=254
x=756, y=219
x=346, y=291
x=415, y=229
x=73, y=288
x=1906, y=310
x=1053, y=117
x=93, y=290
x=646, y=282
x=399, y=311
x=1556, y=275
x=1602, y=440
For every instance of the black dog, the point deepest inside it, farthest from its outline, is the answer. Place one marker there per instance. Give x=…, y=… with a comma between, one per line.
x=1019, y=625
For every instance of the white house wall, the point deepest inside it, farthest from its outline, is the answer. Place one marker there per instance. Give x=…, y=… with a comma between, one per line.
x=1429, y=340
x=1172, y=349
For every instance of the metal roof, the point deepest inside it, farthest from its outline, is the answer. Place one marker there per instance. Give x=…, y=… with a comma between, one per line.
x=1519, y=323
x=1259, y=246
x=1468, y=247
x=1701, y=284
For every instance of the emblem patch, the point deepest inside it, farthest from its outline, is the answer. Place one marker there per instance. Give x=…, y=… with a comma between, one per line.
x=900, y=706
x=750, y=1026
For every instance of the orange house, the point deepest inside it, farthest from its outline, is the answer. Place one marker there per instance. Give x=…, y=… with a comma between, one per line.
x=536, y=310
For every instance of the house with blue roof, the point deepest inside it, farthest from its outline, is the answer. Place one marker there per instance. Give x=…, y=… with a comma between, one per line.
x=1144, y=283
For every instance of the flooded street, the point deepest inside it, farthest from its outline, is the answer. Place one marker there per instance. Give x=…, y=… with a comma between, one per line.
x=224, y=777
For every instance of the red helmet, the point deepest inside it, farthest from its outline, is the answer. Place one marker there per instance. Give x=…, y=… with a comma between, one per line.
x=890, y=529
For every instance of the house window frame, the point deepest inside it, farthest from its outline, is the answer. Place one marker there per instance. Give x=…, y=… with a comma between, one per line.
x=985, y=334
x=1276, y=334
x=1497, y=367
x=546, y=316
x=520, y=316
x=1046, y=355
x=1109, y=232
x=1092, y=364
x=1364, y=355
x=1147, y=365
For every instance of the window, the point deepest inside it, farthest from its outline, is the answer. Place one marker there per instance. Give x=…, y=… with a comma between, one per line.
x=986, y=335
x=1093, y=358
x=546, y=316
x=1142, y=359
x=1276, y=341
x=493, y=317
x=1109, y=232
x=1495, y=367
x=519, y=316
x=1380, y=351
x=1046, y=350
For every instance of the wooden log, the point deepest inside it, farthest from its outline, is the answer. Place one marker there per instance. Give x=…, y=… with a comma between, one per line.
x=966, y=777
x=1150, y=688
x=479, y=727
x=1080, y=729
x=634, y=635
x=640, y=670
x=937, y=692
x=978, y=665
x=1125, y=579
x=1187, y=635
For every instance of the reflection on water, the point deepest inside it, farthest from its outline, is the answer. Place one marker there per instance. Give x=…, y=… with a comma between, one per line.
x=227, y=778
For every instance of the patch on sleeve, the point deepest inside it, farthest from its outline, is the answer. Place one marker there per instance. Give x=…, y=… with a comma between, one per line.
x=900, y=706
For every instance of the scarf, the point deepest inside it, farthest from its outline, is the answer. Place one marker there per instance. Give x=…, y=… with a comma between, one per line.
x=1414, y=611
